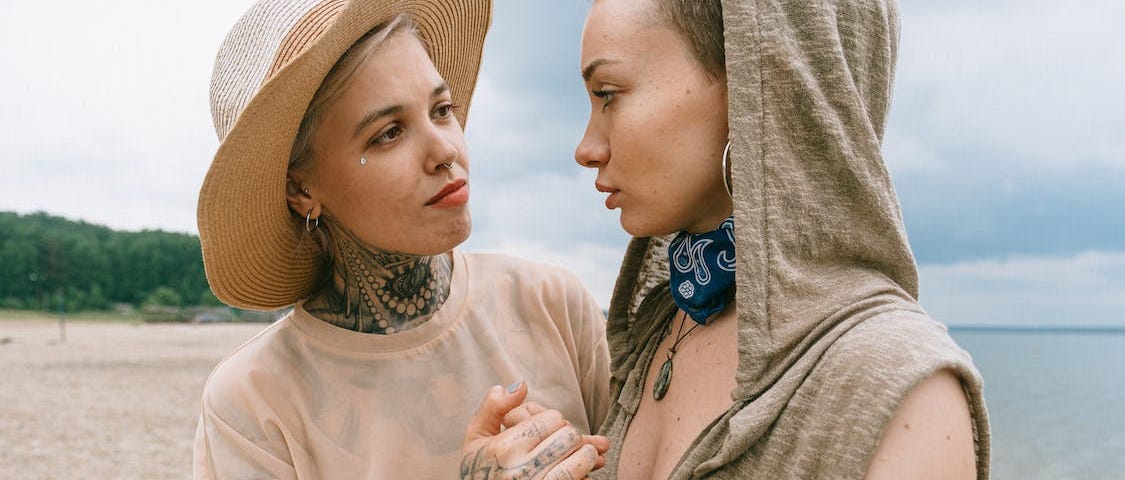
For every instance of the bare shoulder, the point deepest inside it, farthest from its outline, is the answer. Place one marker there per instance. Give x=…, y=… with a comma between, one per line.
x=930, y=435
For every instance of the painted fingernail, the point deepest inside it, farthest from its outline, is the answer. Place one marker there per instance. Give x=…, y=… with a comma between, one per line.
x=514, y=386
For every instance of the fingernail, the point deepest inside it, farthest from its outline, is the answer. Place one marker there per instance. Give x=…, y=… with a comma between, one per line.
x=514, y=386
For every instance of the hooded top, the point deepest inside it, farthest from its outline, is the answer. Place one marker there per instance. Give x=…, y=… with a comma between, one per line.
x=831, y=336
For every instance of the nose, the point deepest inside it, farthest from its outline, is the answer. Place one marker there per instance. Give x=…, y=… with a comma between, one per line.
x=593, y=150
x=442, y=147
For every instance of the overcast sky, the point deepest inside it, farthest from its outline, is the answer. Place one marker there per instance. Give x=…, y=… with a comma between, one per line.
x=1006, y=140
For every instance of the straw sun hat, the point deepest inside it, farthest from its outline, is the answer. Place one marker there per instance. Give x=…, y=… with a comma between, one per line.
x=266, y=72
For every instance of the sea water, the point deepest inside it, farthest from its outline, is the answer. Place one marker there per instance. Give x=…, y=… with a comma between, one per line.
x=1056, y=401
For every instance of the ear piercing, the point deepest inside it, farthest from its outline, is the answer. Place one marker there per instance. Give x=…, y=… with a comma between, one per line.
x=726, y=169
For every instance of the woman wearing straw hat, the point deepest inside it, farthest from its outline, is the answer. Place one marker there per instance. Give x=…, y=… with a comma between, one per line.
x=341, y=187
x=765, y=323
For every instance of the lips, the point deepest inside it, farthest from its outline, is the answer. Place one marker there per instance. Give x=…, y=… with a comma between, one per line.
x=611, y=200
x=453, y=194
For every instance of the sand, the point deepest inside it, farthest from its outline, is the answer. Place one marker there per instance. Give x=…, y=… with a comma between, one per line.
x=115, y=400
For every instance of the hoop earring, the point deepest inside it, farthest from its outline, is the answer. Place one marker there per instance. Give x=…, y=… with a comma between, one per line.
x=726, y=169
x=315, y=222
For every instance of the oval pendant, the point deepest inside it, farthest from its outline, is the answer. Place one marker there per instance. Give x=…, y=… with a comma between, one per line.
x=660, y=387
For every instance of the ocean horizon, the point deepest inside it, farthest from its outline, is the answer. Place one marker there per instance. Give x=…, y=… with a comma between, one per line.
x=1055, y=397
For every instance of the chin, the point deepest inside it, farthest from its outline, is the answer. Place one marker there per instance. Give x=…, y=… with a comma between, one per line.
x=638, y=226
x=452, y=237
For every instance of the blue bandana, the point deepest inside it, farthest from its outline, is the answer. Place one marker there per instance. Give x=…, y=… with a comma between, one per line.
x=703, y=270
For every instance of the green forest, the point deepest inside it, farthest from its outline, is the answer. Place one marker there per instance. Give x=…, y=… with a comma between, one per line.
x=52, y=263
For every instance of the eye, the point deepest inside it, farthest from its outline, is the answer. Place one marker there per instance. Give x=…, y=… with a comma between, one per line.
x=389, y=135
x=445, y=110
x=606, y=96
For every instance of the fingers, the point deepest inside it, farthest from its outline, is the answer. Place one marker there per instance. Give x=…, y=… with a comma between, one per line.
x=553, y=449
x=599, y=442
x=495, y=406
x=577, y=466
x=521, y=413
x=534, y=431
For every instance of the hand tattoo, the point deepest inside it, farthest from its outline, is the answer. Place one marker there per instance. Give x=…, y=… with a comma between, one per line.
x=483, y=465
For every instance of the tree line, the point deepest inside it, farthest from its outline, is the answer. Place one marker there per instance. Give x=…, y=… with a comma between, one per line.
x=52, y=263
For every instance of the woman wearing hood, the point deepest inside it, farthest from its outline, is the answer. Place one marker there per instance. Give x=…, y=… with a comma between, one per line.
x=341, y=188
x=765, y=322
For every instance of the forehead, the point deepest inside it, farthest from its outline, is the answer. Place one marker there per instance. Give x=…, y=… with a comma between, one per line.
x=621, y=30
x=398, y=59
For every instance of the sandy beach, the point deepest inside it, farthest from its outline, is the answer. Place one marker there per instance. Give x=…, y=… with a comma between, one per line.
x=115, y=400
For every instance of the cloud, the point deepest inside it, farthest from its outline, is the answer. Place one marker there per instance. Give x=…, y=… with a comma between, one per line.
x=1004, y=139
x=107, y=108
x=1005, y=133
x=978, y=209
x=1086, y=289
x=1033, y=79
x=514, y=132
x=530, y=107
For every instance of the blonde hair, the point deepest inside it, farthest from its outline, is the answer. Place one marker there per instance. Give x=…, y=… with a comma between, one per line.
x=337, y=78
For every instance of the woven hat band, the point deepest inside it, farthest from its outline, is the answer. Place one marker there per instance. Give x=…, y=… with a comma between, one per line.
x=308, y=29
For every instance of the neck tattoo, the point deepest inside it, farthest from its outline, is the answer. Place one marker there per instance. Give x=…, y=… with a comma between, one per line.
x=664, y=378
x=375, y=291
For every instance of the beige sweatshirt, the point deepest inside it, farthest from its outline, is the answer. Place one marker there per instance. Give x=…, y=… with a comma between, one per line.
x=305, y=399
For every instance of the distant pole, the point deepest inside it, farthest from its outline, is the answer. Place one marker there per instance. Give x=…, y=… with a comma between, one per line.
x=62, y=318
x=55, y=273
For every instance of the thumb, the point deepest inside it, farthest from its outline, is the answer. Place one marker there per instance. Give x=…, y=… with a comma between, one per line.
x=496, y=404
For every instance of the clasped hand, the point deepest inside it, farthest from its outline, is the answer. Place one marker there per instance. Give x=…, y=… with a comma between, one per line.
x=508, y=439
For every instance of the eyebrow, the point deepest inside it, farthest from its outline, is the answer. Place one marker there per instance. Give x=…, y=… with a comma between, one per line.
x=589, y=70
x=377, y=114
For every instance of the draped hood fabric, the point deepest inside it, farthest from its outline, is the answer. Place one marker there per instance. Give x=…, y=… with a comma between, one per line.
x=831, y=336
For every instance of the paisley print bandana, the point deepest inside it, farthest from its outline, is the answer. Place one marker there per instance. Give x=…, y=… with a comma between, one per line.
x=703, y=270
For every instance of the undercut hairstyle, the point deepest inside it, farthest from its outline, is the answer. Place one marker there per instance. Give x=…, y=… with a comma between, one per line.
x=700, y=25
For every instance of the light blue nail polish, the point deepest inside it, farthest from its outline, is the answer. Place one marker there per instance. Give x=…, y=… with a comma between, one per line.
x=514, y=386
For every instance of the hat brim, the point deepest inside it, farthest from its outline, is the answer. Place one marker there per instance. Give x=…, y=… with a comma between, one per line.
x=255, y=255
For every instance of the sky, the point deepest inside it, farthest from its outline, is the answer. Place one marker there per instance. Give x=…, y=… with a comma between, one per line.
x=1006, y=140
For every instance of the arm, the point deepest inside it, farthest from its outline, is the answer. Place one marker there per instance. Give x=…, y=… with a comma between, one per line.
x=594, y=362
x=222, y=452
x=930, y=435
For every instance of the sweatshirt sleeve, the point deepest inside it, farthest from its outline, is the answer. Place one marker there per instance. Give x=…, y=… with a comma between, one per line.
x=593, y=361
x=223, y=450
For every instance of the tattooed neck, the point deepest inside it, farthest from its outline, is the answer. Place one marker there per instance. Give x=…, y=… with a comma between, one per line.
x=375, y=291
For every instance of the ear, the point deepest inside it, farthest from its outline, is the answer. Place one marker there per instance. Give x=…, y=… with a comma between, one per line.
x=300, y=197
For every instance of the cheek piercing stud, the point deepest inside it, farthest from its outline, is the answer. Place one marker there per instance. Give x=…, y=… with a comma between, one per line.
x=363, y=160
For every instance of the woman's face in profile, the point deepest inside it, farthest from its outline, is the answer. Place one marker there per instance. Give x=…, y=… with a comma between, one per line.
x=658, y=123
x=396, y=112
